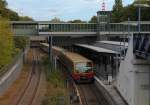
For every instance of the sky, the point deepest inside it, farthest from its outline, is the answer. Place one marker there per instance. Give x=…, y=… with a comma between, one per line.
x=64, y=9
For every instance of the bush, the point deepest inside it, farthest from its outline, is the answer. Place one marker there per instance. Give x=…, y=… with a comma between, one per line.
x=6, y=42
x=21, y=42
x=53, y=75
x=56, y=91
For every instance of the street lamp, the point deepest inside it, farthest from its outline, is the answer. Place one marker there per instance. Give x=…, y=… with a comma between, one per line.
x=139, y=5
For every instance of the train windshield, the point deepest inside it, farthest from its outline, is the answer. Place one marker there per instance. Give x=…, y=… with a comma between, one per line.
x=83, y=67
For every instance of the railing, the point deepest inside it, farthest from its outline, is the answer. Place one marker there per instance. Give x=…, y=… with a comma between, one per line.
x=142, y=45
x=68, y=27
x=123, y=28
x=82, y=27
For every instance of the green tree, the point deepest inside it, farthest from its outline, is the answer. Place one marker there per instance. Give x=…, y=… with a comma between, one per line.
x=121, y=13
x=8, y=13
x=117, y=12
x=21, y=42
x=129, y=11
x=118, y=6
x=76, y=21
x=6, y=42
x=11, y=15
x=56, y=20
x=25, y=18
x=3, y=3
x=93, y=19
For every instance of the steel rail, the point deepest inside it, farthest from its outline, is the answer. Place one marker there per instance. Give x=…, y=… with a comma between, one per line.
x=34, y=67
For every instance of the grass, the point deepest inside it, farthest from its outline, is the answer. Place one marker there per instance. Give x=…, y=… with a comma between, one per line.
x=57, y=93
x=6, y=67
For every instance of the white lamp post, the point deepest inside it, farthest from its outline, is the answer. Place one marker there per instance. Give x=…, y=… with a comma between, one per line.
x=139, y=5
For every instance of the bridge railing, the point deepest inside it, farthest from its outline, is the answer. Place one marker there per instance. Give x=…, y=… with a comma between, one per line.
x=93, y=28
x=79, y=27
x=123, y=28
x=68, y=27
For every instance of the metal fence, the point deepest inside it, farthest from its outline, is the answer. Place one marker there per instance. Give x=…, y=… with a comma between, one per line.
x=80, y=27
x=141, y=46
x=68, y=27
x=123, y=28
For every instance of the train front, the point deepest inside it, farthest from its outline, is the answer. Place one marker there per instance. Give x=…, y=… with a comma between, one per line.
x=83, y=72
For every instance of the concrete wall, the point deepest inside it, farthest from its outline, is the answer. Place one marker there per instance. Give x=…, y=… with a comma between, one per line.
x=12, y=74
x=133, y=79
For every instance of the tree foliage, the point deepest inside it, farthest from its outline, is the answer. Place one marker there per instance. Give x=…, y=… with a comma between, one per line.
x=76, y=21
x=6, y=42
x=118, y=6
x=8, y=13
x=25, y=18
x=93, y=19
x=3, y=4
x=117, y=12
x=120, y=13
x=21, y=42
x=56, y=20
x=7, y=47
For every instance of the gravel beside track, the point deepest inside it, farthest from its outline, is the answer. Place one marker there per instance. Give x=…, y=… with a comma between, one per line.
x=28, y=94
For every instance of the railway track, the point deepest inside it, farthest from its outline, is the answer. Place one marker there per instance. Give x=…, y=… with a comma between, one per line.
x=90, y=95
x=28, y=94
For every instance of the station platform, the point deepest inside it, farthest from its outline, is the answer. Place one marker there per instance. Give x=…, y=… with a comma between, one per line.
x=110, y=92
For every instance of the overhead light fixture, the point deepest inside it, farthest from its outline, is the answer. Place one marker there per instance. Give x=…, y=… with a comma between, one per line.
x=141, y=5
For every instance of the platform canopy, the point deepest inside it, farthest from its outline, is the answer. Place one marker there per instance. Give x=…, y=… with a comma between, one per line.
x=97, y=49
x=115, y=43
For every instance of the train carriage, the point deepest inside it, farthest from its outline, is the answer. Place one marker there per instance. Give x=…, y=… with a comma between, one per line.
x=79, y=67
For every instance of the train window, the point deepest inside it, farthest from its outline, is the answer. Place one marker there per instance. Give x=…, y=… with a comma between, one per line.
x=83, y=67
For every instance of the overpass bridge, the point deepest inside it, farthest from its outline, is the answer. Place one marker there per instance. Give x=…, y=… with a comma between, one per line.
x=69, y=33
x=46, y=28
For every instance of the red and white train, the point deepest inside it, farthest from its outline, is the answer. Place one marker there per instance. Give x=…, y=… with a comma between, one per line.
x=79, y=67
